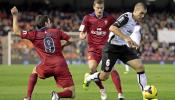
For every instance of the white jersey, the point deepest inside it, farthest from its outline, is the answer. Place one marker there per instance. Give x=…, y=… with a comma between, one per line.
x=126, y=24
x=136, y=35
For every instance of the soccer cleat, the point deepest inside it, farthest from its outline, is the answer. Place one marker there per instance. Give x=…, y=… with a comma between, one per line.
x=27, y=98
x=121, y=96
x=103, y=94
x=85, y=82
x=54, y=96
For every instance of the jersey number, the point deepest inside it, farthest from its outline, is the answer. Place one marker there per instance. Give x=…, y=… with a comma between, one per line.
x=49, y=45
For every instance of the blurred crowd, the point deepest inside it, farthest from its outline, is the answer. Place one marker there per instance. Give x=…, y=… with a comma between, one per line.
x=151, y=48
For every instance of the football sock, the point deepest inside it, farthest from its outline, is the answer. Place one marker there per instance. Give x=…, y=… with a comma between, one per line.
x=94, y=77
x=98, y=83
x=116, y=80
x=31, y=84
x=65, y=94
x=126, y=68
x=142, y=80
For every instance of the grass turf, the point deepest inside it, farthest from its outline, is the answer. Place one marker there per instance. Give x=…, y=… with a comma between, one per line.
x=13, y=83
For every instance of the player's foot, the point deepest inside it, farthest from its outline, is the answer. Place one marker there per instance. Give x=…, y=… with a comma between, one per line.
x=27, y=98
x=103, y=94
x=54, y=96
x=121, y=96
x=85, y=82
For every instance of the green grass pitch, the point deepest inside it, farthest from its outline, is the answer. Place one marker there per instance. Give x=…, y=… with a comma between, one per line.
x=13, y=83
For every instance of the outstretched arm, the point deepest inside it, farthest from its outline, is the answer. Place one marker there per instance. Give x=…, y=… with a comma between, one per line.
x=16, y=28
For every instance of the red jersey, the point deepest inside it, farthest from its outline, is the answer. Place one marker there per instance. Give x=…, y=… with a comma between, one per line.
x=97, y=30
x=47, y=43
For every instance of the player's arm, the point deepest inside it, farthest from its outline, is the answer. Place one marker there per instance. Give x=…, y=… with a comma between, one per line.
x=68, y=42
x=82, y=29
x=121, y=21
x=82, y=35
x=16, y=28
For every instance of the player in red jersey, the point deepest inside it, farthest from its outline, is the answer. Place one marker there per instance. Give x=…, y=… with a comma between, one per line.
x=47, y=42
x=95, y=27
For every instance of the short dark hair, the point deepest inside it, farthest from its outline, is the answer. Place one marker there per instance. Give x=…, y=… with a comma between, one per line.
x=140, y=4
x=98, y=2
x=40, y=21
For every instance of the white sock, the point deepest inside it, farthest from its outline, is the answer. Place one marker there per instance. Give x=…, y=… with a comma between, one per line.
x=93, y=77
x=126, y=68
x=142, y=80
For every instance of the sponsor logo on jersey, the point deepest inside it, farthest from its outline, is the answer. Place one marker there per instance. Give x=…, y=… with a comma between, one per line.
x=98, y=32
x=24, y=32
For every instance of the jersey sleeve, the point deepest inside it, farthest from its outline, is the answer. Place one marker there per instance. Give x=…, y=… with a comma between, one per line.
x=30, y=35
x=83, y=24
x=121, y=21
x=64, y=36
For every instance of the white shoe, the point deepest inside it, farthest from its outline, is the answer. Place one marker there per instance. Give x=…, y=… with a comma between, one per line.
x=54, y=96
x=121, y=96
x=103, y=94
x=27, y=98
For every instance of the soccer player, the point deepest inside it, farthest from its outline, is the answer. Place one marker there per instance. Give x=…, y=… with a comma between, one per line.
x=47, y=42
x=119, y=46
x=95, y=27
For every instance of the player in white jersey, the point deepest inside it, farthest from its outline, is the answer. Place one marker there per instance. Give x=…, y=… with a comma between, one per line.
x=119, y=46
x=136, y=37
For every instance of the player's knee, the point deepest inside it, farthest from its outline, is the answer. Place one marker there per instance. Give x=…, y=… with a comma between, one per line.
x=72, y=90
x=93, y=70
x=140, y=67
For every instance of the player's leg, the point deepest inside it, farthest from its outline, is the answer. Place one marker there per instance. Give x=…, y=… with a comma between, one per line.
x=108, y=61
x=117, y=83
x=126, y=68
x=107, y=64
x=31, y=84
x=63, y=79
x=137, y=65
x=131, y=58
x=93, y=61
x=68, y=92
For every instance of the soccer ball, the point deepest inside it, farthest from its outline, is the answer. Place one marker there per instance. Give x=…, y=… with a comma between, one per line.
x=150, y=92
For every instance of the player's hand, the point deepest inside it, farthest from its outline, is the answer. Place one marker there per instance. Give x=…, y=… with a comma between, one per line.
x=14, y=11
x=131, y=43
x=82, y=35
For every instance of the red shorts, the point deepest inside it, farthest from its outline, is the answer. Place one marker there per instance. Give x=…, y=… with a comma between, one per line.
x=94, y=56
x=61, y=74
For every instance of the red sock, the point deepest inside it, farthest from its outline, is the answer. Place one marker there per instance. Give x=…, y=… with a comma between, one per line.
x=31, y=84
x=116, y=80
x=99, y=84
x=65, y=94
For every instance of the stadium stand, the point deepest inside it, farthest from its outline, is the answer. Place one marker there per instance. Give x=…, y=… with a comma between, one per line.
x=151, y=48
